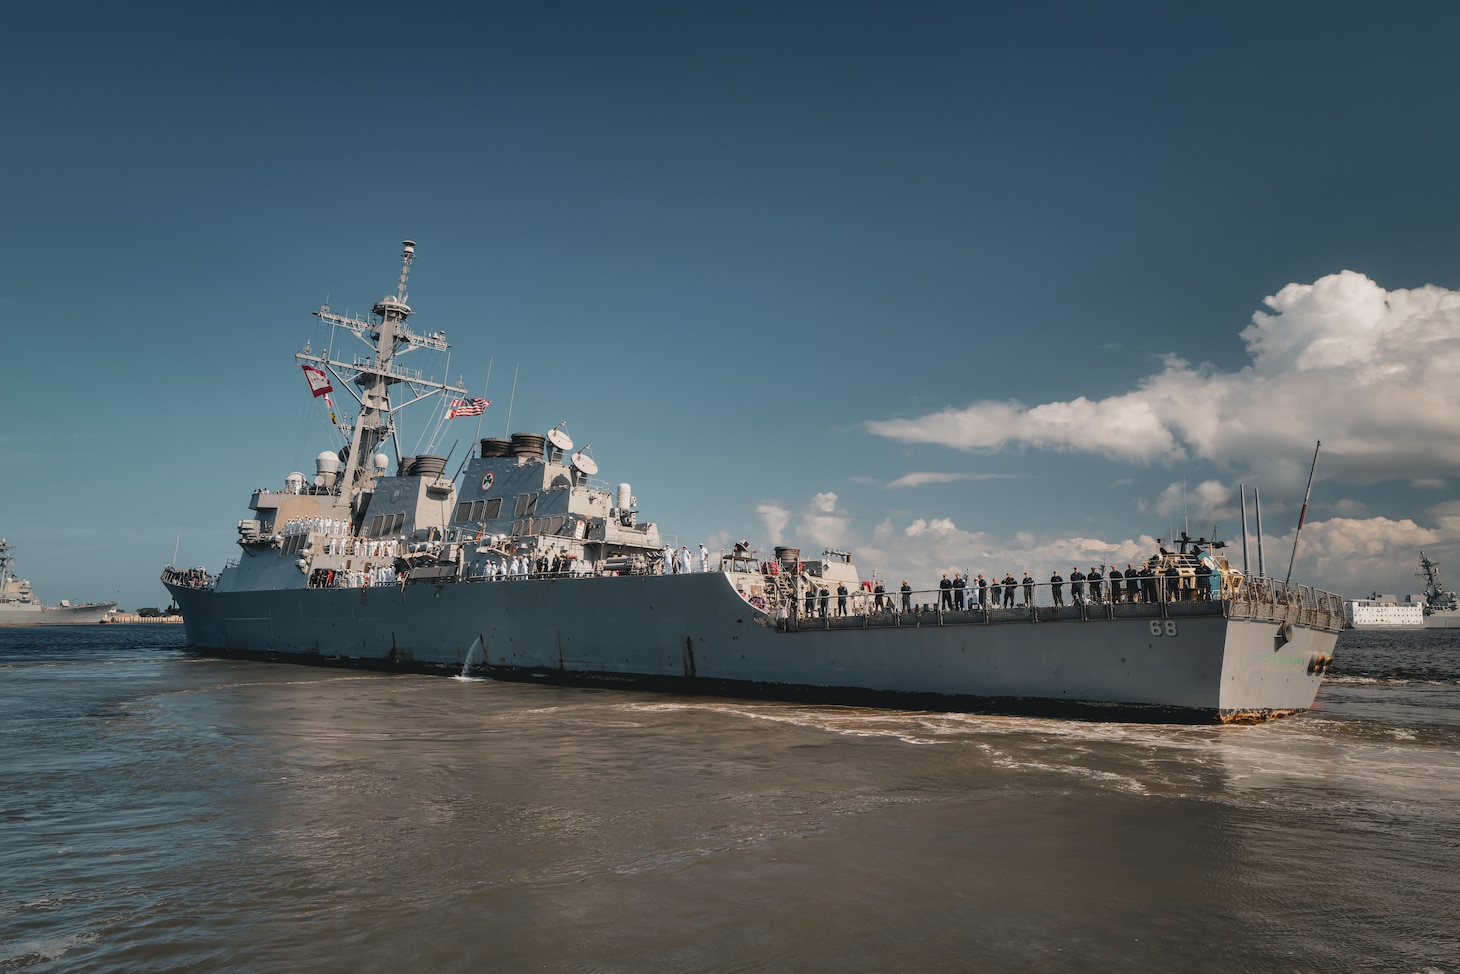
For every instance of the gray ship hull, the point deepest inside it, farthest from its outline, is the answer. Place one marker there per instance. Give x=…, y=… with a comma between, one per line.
x=1442, y=620
x=695, y=633
x=56, y=615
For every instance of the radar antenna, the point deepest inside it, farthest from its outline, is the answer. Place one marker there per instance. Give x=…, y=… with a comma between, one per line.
x=405, y=270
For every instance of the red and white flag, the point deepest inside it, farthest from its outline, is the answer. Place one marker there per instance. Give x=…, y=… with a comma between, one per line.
x=319, y=383
x=467, y=407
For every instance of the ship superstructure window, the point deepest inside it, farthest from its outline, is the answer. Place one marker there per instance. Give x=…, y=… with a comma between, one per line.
x=383, y=525
x=526, y=504
x=482, y=510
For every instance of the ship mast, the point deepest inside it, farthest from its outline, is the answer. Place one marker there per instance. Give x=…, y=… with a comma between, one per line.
x=387, y=336
x=1430, y=572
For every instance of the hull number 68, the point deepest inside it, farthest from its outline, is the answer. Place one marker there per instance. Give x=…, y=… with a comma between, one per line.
x=1163, y=628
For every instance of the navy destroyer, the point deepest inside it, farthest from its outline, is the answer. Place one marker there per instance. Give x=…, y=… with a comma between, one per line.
x=20, y=607
x=1441, y=606
x=523, y=565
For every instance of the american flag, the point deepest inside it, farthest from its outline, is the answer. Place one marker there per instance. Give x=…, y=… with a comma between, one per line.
x=467, y=407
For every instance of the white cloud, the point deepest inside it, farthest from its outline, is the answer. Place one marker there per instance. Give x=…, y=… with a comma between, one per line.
x=1352, y=556
x=818, y=525
x=1370, y=372
x=1201, y=503
x=774, y=518
x=927, y=477
x=1428, y=483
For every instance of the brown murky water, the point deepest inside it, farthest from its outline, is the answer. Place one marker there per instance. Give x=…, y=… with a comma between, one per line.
x=159, y=812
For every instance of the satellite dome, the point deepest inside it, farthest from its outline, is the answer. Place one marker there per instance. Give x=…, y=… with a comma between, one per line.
x=391, y=303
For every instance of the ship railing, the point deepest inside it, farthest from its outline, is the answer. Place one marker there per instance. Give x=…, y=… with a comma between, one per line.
x=1032, y=602
x=195, y=578
x=366, y=363
x=1268, y=599
x=1040, y=602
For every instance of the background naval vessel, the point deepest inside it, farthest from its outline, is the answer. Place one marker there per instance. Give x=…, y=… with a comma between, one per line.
x=1441, y=607
x=20, y=607
x=525, y=566
x=1435, y=608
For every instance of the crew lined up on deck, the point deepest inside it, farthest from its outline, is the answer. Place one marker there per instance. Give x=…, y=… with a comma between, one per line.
x=977, y=594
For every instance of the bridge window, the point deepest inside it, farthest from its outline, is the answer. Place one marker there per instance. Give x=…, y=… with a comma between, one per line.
x=483, y=510
x=383, y=525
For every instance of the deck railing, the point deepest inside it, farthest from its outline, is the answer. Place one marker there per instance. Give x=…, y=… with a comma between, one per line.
x=1255, y=598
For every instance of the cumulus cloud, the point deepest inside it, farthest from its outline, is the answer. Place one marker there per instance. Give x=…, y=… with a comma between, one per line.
x=1349, y=555
x=921, y=548
x=774, y=518
x=818, y=523
x=1368, y=371
x=1201, y=503
x=1359, y=555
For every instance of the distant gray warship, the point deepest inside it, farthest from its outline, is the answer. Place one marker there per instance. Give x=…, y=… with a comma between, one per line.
x=20, y=607
x=1441, y=607
x=525, y=567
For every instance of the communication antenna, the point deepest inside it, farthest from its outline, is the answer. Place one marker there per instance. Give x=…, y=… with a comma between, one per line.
x=511, y=400
x=1257, y=503
x=405, y=270
x=1304, y=512
x=1242, y=492
x=583, y=462
x=482, y=415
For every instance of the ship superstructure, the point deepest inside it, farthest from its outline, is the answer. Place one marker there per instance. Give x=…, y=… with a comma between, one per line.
x=525, y=566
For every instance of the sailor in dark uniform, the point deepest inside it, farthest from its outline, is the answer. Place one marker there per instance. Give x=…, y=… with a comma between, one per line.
x=1096, y=579
x=983, y=592
x=1077, y=586
x=906, y=596
x=1057, y=588
x=1203, y=579
x=1028, y=590
x=945, y=599
x=1132, y=586
x=1115, y=578
x=959, y=584
x=1148, y=583
x=1009, y=584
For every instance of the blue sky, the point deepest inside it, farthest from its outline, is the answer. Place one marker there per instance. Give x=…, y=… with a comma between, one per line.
x=955, y=286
